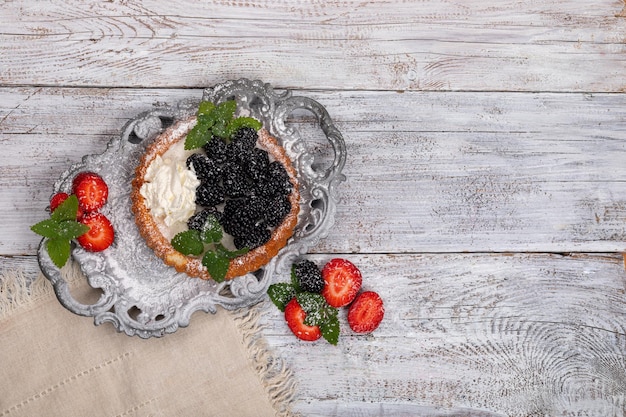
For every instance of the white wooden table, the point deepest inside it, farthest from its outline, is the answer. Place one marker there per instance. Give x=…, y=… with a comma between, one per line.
x=486, y=191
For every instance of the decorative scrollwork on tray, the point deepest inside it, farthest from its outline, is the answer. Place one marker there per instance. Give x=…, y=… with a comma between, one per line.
x=140, y=294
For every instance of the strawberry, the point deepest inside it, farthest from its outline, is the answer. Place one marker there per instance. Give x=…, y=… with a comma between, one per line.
x=56, y=200
x=366, y=312
x=100, y=234
x=295, y=315
x=91, y=190
x=342, y=281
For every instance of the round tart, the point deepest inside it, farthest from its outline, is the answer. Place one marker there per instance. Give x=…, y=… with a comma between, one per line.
x=158, y=232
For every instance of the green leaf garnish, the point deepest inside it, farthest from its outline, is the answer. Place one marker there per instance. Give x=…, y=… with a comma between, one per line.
x=240, y=122
x=59, y=251
x=216, y=265
x=230, y=254
x=60, y=229
x=330, y=330
x=217, y=120
x=188, y=243
x=294, y=279
x=67, y=210
x=280, y=294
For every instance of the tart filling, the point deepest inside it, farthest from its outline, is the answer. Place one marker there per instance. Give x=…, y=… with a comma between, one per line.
x=245, y=186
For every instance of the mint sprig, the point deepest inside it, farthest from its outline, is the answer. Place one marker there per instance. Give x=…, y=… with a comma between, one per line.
x=60, y=229
x=217, y=120
x=206, y=243
x=318, y=311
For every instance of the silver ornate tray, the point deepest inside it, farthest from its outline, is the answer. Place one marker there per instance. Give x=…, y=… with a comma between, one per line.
x=140, y=294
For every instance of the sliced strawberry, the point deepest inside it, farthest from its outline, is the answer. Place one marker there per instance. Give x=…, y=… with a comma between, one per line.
x=342, y=281
x=57, y=199
x=366, y=312
x=295, y=315
x=100, y=234
x=91, y=190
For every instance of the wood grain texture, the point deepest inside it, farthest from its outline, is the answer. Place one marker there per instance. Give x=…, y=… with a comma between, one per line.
x=485, y=195
x=561, y=45
x=427, y=172
x=471, y=335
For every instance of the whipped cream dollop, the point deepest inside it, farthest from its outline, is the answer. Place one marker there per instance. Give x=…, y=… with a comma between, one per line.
x=169, y=189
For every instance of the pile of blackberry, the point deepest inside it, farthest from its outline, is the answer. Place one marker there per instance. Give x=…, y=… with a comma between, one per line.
x=248, y=194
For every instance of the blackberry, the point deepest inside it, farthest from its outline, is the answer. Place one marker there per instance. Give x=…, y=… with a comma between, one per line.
x=255, y=166
x=275, y=182
x=279, y=178
x=196, y=222
x=242, y=215
x=235, y=181
x=308, y=276
x=276, y=210
x=246, y=136
x=204, y=167
x=255, y=237
x=216, y=149
x=209, y=194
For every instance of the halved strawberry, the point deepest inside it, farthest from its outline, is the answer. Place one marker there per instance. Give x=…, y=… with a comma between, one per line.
x=57, y=199
x=295, y=315
x=366, y=312
x=91, y=190
x=342, y=281
x=100, y=234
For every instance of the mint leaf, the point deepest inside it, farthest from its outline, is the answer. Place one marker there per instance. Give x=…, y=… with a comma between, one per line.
x=224, y=111
x=188, y=242
x=230, y=254
x=59, y=251
x=216, y=265
x=294, y=279
x=240, y=122
x=316, y=308
x=197, y=137
x=221, y=129
x=330, y=330
x=281, y=294
x=205, y=108
x=211, y=230
x=71, y=229
x=67, y=210
x=47, y=228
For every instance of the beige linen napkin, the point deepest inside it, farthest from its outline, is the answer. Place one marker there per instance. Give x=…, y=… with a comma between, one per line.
x=55, y=363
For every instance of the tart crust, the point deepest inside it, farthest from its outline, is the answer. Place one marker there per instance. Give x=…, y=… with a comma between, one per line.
x=192, y=266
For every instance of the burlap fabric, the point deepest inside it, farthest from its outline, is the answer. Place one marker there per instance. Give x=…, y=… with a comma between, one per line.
x=55, y=363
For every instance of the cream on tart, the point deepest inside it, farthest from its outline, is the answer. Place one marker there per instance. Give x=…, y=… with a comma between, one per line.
x=215, y=196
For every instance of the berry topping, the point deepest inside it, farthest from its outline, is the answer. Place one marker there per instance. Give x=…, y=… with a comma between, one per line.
x=308, y=276
x=342, y=282
x=235, y=182
x=255, y=237
x=366, y=312
x=91, y=190
x=276, y=211
x=100, y=235
x=209, y=194
x=205, y=168
x=197, y=221
x=216, y=150
x=295, y=316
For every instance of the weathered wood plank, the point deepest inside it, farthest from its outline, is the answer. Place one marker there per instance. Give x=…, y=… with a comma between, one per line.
x=427, y=172
x=468, y=335
x=562, y=45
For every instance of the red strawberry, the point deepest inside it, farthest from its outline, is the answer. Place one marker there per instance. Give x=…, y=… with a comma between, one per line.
x=366, y=312
x=56, y=200
x=294, y=315
x=342, y=281
x=100, y=234
x=91, y=190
